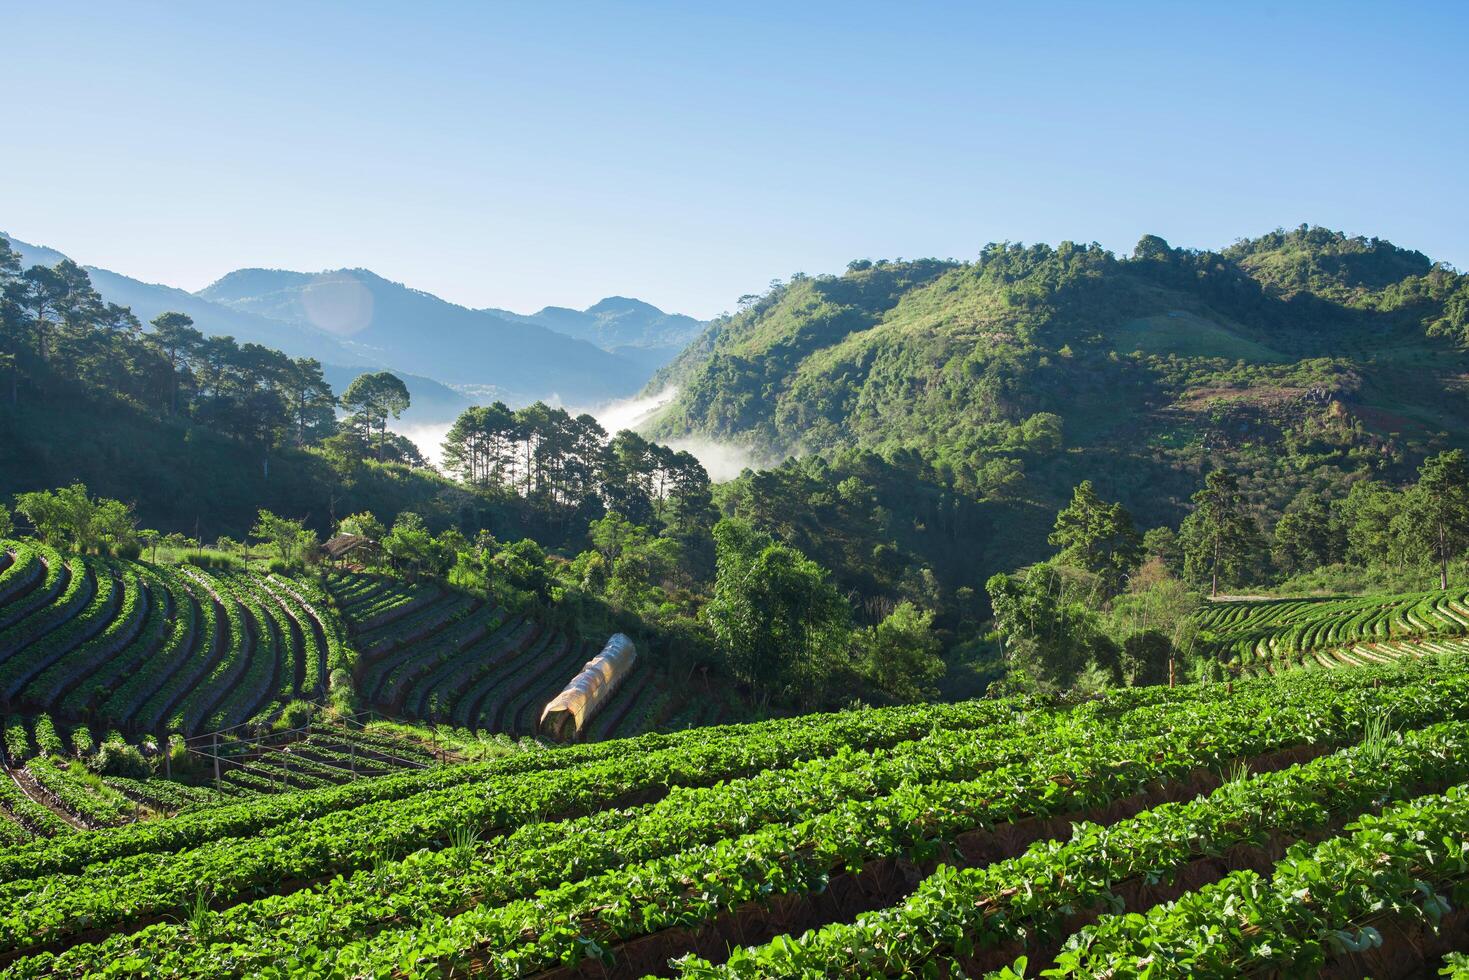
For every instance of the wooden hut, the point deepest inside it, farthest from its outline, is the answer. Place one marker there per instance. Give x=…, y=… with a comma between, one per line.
x=339, y=547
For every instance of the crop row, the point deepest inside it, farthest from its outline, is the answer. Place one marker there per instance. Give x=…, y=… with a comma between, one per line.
x=77, y=683
x=960, y=916
x=391, y=604
x=1403, y=868
x=712, y=754
x=32, y=595
x=27, y=626
x=314, y=604
x=913, y=823
x=444, y=656
x=428, y=619
x=151, y=698
x=163, y=795
x=1292, y=632
x=97, y=805
x=150, y=648
x=1079, y=770
x=32, y=816
x=25, y=568
x=538, y=855
x=404, y=680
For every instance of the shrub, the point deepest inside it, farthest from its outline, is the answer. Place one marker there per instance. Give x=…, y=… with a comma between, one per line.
x=341, y=694
x=119, y=759
x=294, y=715
x=214, y=561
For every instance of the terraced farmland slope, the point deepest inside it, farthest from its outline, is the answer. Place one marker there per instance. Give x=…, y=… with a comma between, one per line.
x=431, y=652
x=1268, y=636
x=1276, y=826
x=47, y=787
x=152, y=649
x=323, y=755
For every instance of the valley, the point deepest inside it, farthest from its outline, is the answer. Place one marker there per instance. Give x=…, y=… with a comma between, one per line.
x=734, y=492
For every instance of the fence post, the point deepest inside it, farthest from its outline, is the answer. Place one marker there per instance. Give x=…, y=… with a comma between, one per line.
x=354, y=760
x=217, y=782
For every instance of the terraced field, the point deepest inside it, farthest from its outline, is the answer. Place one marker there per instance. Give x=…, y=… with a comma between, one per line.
x=433, y=653
x=326, y=756
x=151, y=649
x=1272, y=635
x=46, y=790
x=1290, y=826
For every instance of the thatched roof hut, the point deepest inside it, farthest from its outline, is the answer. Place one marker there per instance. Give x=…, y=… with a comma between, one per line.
x=343, y=545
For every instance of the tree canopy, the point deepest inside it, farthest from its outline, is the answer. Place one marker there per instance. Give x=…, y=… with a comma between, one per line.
x=374, y=399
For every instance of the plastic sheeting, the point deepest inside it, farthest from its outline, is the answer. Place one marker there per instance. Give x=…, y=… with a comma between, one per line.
x=567, y=714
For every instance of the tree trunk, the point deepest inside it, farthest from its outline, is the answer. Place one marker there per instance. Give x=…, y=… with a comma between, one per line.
x=1214, y=587
x=1443, y=559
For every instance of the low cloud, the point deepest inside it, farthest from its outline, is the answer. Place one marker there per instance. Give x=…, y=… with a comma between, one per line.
x=629, y=413
x=723, y=460
x=428, y=437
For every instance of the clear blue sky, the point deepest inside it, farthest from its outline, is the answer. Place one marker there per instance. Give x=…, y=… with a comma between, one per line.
x=524, y=154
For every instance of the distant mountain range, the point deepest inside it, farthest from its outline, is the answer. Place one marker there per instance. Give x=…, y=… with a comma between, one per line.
x=353, y=320
x=624, y=326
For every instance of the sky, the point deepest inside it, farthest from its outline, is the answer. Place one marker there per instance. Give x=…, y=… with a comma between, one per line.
x=526, y=154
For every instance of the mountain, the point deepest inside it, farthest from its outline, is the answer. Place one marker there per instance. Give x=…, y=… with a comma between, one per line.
x=418, y=332
x=622, y=325
x=147, y=300
x=1303, y=359
x=432, y=401
x=353, y=320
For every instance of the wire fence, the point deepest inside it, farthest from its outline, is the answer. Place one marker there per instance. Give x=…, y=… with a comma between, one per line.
x=268, y=755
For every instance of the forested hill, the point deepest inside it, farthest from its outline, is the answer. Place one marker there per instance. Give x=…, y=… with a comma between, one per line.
x=353, y=319
x=1302, y=359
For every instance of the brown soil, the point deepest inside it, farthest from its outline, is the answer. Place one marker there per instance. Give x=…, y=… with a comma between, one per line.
x=39, y=794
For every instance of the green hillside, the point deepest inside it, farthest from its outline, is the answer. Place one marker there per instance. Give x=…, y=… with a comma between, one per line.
x=130, y=689
x=1301, y=358
x=154, y=650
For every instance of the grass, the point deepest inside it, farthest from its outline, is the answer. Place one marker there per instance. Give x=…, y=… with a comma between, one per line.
x=1189, y=335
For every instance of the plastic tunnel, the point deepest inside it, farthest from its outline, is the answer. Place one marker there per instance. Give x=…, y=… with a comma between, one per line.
x=566, y=716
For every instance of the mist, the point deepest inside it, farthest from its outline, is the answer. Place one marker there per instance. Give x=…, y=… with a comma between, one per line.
x=723, y=460
x=629, y=413
x=428, y=437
